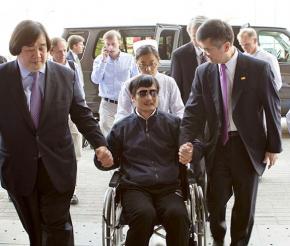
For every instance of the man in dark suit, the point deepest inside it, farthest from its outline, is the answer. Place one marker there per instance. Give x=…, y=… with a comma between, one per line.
x=230, y=94
x=186, y=58
x=37, y=158
x=76, y=47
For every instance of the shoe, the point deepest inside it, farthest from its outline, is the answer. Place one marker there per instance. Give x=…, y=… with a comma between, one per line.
x=74, y=200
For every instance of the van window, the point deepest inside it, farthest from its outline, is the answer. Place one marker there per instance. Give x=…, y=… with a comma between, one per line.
x=165, y=45
x=276, y=43
x=84, y=34
x=126, y=44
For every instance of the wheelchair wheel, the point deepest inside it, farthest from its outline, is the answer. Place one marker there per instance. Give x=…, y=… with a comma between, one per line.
x=112, y=231
x=107, y=222
x=200, y=217
x=191, y=205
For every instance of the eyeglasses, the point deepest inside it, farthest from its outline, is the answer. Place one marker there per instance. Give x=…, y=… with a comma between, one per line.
x=144, y=93
x=144, y=66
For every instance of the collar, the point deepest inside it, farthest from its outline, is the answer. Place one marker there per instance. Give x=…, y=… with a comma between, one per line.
x=118, y=57
x=25, y=72
x=198, y=50
x=232, y=62
x=75, y=56
x=257, y=51
x=142, y=116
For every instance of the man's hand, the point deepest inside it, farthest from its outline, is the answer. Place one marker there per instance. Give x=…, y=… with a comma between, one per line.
x=270, y=159
x=105, y=53
x=104, y=156
x=185, y=153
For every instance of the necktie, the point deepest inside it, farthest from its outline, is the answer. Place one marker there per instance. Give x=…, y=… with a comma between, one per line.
x=203, y=58
x=224, y=87
x=35, y=100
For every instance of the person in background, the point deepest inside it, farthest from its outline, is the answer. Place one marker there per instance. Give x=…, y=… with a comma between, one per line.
x=248, y=40
x=110, y=70
x=76, y=48
x=2, y=59
x=58, y=53
x=230, y=95
x=37, y=157
x=145, y=147
x=186, y=58
x=147, y=59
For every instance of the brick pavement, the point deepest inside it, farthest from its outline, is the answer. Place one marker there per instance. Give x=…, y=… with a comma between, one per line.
x=272, y=223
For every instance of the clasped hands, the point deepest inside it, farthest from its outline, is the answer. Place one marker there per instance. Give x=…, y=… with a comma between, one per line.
x=185, y=153
x=104, y=156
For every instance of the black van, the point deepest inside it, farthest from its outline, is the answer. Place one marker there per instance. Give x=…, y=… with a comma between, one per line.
x=169, y=37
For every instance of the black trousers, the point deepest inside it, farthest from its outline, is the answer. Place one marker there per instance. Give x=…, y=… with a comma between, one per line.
x=45, y=213
x=143, y=208
x=233, y=173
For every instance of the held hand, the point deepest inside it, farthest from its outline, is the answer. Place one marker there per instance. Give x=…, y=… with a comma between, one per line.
x=104, y=156
x=185, y=153
x=270, y=159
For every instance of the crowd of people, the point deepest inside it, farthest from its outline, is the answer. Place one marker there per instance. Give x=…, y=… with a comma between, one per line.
x=219, y=107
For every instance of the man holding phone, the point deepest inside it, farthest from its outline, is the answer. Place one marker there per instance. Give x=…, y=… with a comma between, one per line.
x=110, y=70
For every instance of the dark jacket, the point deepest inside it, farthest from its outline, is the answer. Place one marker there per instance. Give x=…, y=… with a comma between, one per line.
x=146, y=150
x=183, y=65
x=21, y=144
x=253, y=94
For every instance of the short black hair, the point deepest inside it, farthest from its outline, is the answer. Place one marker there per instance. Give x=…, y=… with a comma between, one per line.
x=142, y=80
x=216, y=30
x=25, y=34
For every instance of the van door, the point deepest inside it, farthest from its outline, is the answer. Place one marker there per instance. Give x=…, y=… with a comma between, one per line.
x=277, y=42
x=167, y=37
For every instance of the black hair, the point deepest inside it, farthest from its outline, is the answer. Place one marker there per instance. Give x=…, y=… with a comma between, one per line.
x=142, y=80
x=145, y=50
x=217, y=31
x=25, y=34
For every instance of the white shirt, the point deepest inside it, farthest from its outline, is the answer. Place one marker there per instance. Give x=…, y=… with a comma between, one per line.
x=274, y=64
x=169, y=98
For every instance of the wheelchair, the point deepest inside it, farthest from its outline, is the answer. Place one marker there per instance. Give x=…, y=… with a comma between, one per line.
x=113, y=223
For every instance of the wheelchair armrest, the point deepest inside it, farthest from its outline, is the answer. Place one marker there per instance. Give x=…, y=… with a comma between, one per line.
x=115, y=180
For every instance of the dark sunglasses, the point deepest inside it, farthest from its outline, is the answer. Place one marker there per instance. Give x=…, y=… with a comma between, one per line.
x=144, y=93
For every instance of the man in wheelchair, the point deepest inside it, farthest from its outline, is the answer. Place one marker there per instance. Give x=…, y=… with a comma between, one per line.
x=145, y=148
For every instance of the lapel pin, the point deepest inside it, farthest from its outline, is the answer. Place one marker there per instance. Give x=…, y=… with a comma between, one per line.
x=243, y=78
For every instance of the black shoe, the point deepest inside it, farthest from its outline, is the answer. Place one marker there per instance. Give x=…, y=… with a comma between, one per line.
x=74, y=200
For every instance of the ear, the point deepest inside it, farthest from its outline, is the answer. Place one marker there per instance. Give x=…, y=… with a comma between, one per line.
x=133, y=99
x=227, y=46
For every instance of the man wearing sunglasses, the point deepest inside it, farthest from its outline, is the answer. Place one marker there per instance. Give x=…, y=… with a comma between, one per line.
x=145, y=148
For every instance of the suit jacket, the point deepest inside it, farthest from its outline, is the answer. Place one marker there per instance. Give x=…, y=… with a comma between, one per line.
x=253, y=93
x=21, y=144
x=183, y=65
x=70, y=56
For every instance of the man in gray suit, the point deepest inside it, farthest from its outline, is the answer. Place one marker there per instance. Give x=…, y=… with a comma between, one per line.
x=37, y=158
x=230, y=94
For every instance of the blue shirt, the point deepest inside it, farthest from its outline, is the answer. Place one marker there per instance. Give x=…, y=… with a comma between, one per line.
x=27, y=82
x=112, y=73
